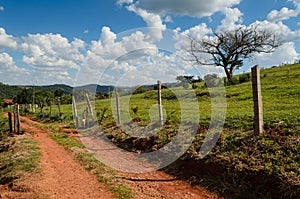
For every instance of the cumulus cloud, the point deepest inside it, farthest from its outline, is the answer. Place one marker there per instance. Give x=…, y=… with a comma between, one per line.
x=194, y=8
x=282, y=31
x=10, y=72
x=152, y=20
x=7, y=41
x=1, y=8
x=284, y=54
x=196, y=32
x=51, y=50
x=284, y=13
x=233, y=17
x=7, y=62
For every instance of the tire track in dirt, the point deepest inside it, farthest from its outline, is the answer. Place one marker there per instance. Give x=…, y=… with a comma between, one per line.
x=61, y=176
x=155, y=184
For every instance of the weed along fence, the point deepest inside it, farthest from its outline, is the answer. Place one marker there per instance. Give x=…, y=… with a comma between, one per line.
x=281, y=96
x=14, y=121
x=250, y=105
x=84, y=108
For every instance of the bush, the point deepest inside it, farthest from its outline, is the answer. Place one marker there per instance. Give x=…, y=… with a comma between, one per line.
x=244, y=78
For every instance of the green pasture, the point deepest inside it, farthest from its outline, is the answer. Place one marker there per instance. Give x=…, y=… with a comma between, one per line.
x=280, y=92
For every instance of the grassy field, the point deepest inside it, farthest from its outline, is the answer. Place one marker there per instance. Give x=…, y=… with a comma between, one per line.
x=241, y=164
x=280, y=91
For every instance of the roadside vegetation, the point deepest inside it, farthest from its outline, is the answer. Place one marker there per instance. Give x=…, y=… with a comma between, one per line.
x=241, y=165
x=19, y=155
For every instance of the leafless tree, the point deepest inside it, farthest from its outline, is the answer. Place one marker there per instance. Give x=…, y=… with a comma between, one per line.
x=228, y=49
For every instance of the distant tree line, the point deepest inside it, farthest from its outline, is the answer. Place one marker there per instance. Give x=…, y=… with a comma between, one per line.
x=41, y=98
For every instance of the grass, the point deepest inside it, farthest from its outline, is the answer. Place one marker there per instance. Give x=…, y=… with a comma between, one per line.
x=242, y=157
x=273, y=155
x=18, y=155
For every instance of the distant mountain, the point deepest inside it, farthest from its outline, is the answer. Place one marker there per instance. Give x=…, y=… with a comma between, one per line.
x=10, y=92
x=50, y=88
x=95, y=88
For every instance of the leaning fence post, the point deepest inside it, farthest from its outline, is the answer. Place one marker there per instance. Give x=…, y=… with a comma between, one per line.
x=161, y=119
x=87, y=117
x=257, y=99
x=90, y=106
x=75, y=112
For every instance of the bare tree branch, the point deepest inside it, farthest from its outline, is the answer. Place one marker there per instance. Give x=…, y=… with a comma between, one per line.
x=228, y=49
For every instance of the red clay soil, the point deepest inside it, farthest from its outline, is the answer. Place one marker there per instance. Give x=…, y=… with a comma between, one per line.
x=62, y=177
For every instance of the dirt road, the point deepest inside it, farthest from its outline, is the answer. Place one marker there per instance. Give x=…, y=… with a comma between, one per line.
x=62, y=177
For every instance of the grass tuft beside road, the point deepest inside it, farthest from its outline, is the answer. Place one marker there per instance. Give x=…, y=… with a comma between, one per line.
x=18, y=155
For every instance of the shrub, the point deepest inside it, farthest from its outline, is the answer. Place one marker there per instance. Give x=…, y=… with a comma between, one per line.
x=244, y=78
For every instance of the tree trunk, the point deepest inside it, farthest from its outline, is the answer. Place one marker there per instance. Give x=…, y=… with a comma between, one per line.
x=228, y=74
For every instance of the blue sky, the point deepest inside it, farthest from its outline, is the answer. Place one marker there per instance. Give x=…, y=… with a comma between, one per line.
x=82, y=41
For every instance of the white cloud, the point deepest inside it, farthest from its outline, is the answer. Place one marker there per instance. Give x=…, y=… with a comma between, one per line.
x=152, y=20
x=196, y=32
x=10, y=73
x=52, y=50
x=7, y=41
x=168, y=19
x=117, y=53
x=233, y=17
x=7, y=62
x=120, y=2
x=107, y=46
x=282, y=31
x=284, y=54
x=1, y=8
x=195, y=8
x=284, y=13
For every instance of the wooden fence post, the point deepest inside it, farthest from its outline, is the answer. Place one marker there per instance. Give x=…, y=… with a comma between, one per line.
x=10, y=123
x=257, y=98
x=161, y=119
x=90, y=107
x=18, y=121
x=87, y=117
x=118, y=106
x=17, y=126
x=75, y=112
x=15, y=121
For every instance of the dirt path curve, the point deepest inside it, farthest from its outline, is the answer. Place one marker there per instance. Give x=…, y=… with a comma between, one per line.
x=155, y=184
x=61, y=176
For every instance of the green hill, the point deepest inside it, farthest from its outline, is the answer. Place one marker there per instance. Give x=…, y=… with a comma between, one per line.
x=9, y=92
x=241, y=165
